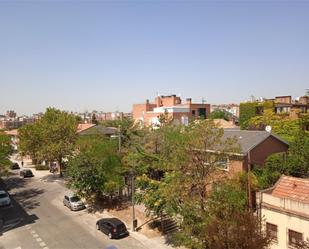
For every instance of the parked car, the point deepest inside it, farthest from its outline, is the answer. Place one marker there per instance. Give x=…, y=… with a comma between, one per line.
x=4, y=198
x=26, y=173
x=113, y=227
x=15, y=166
x=73, y=202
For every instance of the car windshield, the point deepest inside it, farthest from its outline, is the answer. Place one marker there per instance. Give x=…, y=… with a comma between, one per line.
x=3, y=195
x=74, y=199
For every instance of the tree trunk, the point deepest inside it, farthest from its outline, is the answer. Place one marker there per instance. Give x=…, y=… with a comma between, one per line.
x=60, y=166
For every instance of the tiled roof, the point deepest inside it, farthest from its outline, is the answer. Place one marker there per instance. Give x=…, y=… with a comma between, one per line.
x=82, y=127
x=248, y=139
x=292, y=188
x=12, y=132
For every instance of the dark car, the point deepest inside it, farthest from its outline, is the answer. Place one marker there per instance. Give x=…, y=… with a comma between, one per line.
x=15, y=166
x=113, y=227
x=26, y=173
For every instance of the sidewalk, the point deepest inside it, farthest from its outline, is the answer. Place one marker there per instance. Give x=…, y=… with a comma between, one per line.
x=151, y=243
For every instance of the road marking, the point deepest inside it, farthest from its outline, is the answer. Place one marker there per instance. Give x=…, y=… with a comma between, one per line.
x=35, y=235
x=33, y=232
x=45, y=247
x=18, y=247
x=38, y=239
x=42, y=244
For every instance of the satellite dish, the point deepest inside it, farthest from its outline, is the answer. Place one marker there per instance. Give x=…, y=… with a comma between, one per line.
x=268, y=128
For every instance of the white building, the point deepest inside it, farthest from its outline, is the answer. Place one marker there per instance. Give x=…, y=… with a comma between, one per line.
x=284, y=209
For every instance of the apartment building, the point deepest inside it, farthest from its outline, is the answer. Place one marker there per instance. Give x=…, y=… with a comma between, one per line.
x=285, y=210
x=285, y=104
x=148, y=113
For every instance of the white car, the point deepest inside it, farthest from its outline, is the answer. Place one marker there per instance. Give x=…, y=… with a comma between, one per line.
x=4, y=198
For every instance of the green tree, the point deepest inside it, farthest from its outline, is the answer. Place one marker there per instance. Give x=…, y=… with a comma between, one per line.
x=96, y=169
x=246, y=112
x=59, y=135
x=219, y=114
x=5, y=151
x=281, y=124
x=295, y=163
x=31, y=141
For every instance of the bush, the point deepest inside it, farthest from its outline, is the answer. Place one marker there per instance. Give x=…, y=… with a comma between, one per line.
x=41, y=167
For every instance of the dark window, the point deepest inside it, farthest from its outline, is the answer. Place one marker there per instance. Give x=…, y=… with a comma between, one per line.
x=272, y=231
x=193, y=112
x=295, y=237
x=202, y=112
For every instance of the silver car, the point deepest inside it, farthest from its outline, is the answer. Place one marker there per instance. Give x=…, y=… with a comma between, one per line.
x=73, y=202
x=4, y=198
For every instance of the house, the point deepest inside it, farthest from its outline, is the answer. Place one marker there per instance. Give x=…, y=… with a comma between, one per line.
x=285, y=210
x=255, y=147
x=149, y=113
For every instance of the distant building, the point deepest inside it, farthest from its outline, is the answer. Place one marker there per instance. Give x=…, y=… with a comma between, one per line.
x=11, y=114
x=149, y=113
x=285, y=210
x=285, y=104
x=230, y=108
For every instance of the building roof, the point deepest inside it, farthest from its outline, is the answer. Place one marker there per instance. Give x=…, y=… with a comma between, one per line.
x=99, y=129
x=249, y=139
x=293, y=188
x=13, y=132
x=222, y=123
x=83, y=127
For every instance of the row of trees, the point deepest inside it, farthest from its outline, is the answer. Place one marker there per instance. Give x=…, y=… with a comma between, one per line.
x=5, y=151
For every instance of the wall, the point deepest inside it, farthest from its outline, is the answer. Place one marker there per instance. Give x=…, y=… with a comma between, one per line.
x=270, y=146
x=285, y=222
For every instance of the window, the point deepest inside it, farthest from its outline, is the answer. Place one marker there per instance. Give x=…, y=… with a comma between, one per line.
x=193, y=112
x=223, y=163
x=294, y=237
x=272, y=231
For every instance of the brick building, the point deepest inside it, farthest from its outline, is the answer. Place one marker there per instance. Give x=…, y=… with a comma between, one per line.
x=181, y=113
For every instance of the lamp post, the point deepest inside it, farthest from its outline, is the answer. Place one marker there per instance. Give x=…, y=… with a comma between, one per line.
x=134, y=221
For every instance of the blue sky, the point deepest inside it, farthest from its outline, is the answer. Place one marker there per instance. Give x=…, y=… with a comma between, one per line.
x=100, y=55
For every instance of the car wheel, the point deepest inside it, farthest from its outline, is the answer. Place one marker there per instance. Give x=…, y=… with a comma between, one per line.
x=110, y=235
x=98, y=227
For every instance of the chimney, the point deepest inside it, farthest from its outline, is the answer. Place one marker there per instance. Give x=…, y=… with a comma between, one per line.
x=147, y=101
x=189, y=101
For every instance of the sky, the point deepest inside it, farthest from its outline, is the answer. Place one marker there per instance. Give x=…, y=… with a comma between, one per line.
x=108, y=55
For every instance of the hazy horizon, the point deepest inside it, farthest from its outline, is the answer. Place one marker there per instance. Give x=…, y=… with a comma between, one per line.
x=106, y=56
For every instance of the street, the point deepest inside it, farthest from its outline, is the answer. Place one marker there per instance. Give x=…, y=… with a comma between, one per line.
x=37, y=218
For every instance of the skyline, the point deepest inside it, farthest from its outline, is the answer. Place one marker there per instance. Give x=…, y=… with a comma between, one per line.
x=110, y=55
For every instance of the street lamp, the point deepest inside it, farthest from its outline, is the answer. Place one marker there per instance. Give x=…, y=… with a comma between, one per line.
x=134, y=220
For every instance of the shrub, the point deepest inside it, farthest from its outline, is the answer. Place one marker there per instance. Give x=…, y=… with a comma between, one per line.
x=41, y=167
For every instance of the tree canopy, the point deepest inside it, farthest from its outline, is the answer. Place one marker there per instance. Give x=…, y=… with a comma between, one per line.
x=52, y=138
x=5, y=151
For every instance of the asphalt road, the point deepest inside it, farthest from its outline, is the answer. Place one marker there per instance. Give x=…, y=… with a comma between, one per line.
x=37, y=219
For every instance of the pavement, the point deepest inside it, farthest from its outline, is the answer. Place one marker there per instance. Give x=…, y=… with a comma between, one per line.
x=44, y=181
